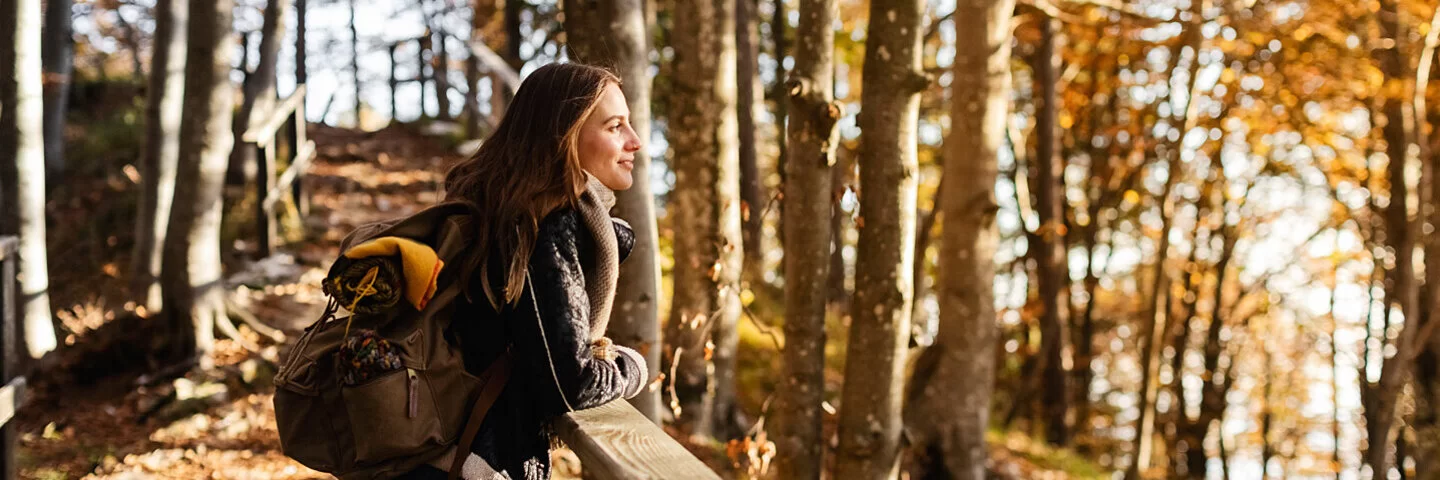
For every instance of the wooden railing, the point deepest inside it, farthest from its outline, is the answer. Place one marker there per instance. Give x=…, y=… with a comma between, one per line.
x=282, y=130
x=616, y=442
x=13, y=393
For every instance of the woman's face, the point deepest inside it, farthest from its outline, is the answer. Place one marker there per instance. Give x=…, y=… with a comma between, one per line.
x=607, y=143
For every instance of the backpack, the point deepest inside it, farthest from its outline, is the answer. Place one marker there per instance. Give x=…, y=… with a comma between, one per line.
x=405, y=406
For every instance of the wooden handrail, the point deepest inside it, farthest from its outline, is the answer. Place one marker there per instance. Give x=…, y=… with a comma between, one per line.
x=12, y=395
x=8, y=246
x=262, y=134
x=292, y=174
x=616, y=442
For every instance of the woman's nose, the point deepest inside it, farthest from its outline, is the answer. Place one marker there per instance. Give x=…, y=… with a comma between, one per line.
x=633, y=142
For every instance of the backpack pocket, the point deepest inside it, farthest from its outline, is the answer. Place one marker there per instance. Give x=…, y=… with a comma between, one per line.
x=306, y=433
x=391, y=415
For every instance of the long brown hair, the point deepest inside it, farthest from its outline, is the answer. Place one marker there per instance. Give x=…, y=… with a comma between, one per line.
x=526, y=169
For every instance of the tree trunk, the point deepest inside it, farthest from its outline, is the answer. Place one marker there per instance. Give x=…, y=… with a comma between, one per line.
x=1144, y=426
x=840, y=178
x=807, y=239
x=355, y=65
x=259, y=90
x=1426, y=422
x=706, y=199
x=161, y=153
x=620, y=26
x=194, y=293
x=950, y=391
x=441, y=71
x=1051, y=264
x=512, y=35
x=925, y=227
x=750, y=93
x=301, y=73
x=58, y=55
x=871, y=399
x=24, y=153
x=779, y=25
x=480, y=13
x=1403, y=290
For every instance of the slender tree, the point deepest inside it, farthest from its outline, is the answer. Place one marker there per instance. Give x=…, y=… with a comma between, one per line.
x=302, y=75
x=950, y=391
x=259, y=89
x=871, y=401
x=159, y=158
x=751, y=101
x=23, y=154
x=1402, y=288
x=805, y=221
x=191, y=277
x=612, y=33
x=1051, y=265
x=355, y=64
x=58, y=56
x=706, y=202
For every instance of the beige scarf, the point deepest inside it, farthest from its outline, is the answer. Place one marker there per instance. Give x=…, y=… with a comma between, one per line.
x=600, y=281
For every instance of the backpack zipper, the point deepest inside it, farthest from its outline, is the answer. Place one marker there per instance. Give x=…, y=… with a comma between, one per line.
x=413, y=401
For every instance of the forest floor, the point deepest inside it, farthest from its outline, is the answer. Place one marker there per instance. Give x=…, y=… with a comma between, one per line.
x=89, y=417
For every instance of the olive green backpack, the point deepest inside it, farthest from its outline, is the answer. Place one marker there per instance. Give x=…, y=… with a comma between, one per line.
x=406, y=416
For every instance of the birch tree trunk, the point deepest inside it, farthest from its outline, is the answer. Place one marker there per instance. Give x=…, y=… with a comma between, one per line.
x=706, y=200
x=24, y=154
x=871, y=399
x=950, y=391
x=805, y=222
x=191, y=275
x=612, y=33
x=161, y=153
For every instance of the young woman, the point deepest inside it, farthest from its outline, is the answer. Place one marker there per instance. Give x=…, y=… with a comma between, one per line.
x=546, y=261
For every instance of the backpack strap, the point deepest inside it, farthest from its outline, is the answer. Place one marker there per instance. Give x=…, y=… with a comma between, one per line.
x=496, y=376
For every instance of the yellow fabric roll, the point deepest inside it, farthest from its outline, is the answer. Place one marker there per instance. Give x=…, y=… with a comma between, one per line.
x=419, y=262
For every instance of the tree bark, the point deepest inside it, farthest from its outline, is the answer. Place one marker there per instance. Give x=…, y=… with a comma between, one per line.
x=1427, y=364
x=750, y=93
x=1051, y=264
x=161, y=153
x=950, y=391
x=871, y=399
x=512, y=35
x=58, y=55
x=24, y=154
x=355, y=65
x=612, y=33
x=442, y=71
x=192, y=272
x=840, y=180
x=1403, y=290
x=807, y=239
x=480, y=13
x=706, y=199
x=302, y=74
x=259, y=90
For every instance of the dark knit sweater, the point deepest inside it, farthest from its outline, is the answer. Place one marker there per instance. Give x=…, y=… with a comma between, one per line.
x=554, y=368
